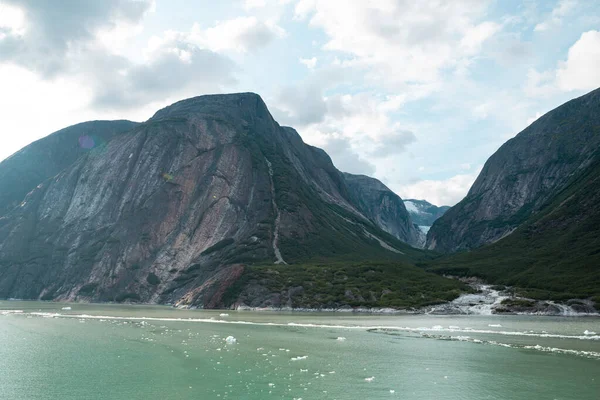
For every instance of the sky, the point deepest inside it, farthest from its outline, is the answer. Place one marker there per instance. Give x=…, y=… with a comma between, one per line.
x=415, y=93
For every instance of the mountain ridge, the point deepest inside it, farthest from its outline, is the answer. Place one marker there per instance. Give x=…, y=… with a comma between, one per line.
x=176, y=209
x=519, y=178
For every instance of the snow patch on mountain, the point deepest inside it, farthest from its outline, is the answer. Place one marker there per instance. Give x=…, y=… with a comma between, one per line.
x=411, y=207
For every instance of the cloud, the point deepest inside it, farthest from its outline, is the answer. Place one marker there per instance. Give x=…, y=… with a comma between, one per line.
x=446, y=192
x=345, y=159
x=562, y=10
x=581, y=71
x=301, y=105
x=175, y=69
x=401, y=42
x=394, y=144
x=310, y=63
x=250, y=4
x=242, y=34
x=48, y=31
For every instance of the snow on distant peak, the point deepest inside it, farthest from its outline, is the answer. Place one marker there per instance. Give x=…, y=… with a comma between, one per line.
x=411, y=207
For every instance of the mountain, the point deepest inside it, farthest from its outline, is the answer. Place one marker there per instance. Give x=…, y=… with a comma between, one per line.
x=24, y=170
x=524, y=175
x=207, y=204
x=384, y=207
x=554, y=254
x=423, y=213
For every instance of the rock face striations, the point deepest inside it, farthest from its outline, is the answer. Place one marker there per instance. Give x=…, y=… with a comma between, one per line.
x=170, y=210
x=384, y=207
x=522, y=176
x=24, y=170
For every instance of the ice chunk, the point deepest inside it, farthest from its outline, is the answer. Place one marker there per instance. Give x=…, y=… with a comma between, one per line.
x=340, y=339
x=223, y=315
x=589, y=332
x=392, y=391
x=230, y=340
x=299, y=358
x=66, y=308
x=370, y=379
x=495, y=326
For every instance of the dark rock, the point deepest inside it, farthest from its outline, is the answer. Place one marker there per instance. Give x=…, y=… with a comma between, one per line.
x=522, y=176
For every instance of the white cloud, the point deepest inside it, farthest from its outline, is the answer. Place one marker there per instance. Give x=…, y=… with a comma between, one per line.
x=540, y=84
x=402, y=42
x=42, y=35
x=12, y=21
x=310, y=63
x=581, y=71
x=446, y=192
x=562, y=10
x=250, y=4
x=240, y=34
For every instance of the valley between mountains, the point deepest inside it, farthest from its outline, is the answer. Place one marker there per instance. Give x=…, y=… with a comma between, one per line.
x=212, y=204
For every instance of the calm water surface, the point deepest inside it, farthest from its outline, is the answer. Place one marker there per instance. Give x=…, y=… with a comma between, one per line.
x=146, y=352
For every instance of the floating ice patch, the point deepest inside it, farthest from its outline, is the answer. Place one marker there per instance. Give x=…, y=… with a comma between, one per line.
x=230, y=340
x=66, y=308
x=340, y=339
x=6, y=312
x=586, y=332
x=299, y=358
x=495, y=326
x=370, y=379
x=223, y=315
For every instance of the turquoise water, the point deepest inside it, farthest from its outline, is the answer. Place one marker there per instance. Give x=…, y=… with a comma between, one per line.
x=145, y=352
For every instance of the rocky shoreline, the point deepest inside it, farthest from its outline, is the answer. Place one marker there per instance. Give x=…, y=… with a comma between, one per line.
x=486, y=300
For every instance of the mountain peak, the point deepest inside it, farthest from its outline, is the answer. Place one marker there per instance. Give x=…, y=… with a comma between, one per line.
x=235, y=105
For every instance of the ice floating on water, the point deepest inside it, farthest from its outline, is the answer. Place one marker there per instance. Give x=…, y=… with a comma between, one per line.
x=223, y=315
x=6, y=312
x=231, y=340
x=589, y=332
x=66, y=308
x=340, y=339
x=392, y=391
x=495, y=326
x=370, y=379
x=299, y=358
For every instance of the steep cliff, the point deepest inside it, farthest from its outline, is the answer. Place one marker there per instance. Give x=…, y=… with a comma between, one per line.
x=522, y=176
x=555, y=254
x=384, y=207
x=172, y=210
x=24, y=170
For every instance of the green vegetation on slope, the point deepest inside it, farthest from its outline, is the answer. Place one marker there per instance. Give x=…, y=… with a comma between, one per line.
x=336, y=284
x=554, y=255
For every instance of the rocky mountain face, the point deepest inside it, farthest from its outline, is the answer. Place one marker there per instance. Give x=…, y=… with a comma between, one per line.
x=24, y=170
x=553, y=255
x=423, y=213
x=173, y=209
x=524, y=175
x=384, y=207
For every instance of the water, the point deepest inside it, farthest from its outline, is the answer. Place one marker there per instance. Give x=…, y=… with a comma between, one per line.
x=147, y=352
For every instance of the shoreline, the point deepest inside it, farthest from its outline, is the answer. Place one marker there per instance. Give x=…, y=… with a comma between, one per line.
x=340, y=311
